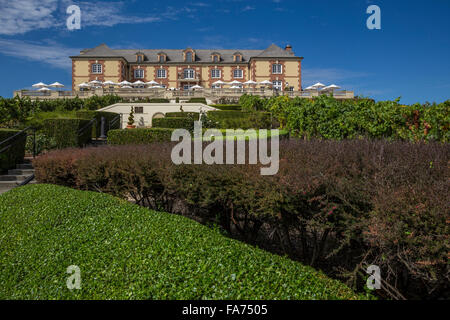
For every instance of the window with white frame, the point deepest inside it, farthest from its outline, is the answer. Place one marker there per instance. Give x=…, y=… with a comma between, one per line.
x=277, y=68
x=189, y=73
x=215, y=73
x=96, y=68
x=237, y=73
x=139, y=73
x=187, y=87
x=277, y=85
x=161, y=73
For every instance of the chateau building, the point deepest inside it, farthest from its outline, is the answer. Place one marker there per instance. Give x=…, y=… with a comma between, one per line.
x=188, y=67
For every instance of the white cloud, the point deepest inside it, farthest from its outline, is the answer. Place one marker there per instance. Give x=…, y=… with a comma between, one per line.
x=51, y=53
x=21, y=16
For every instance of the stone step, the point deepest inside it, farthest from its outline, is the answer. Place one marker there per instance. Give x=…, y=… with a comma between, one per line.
x=21, y=172
x=14, y=177
x=24, y=166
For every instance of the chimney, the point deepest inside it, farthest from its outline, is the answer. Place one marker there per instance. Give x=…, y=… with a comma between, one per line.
x=288, y=48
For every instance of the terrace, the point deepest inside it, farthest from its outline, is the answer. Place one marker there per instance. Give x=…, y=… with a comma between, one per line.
x=211, y=94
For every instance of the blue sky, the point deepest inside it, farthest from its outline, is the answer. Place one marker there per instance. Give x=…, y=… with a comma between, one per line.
x=408, y=57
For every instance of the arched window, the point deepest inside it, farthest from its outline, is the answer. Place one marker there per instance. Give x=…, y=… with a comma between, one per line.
x=188, y=56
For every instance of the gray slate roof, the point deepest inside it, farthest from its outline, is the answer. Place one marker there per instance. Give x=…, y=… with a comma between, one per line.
x=176, y=55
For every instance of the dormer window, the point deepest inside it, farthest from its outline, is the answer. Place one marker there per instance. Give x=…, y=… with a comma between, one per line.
x=189, y=55
x=237, y=57
x=139, y=57
x=215, y=57
x=162, y=57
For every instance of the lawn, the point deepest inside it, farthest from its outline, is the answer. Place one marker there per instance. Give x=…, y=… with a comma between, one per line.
x=129, y=252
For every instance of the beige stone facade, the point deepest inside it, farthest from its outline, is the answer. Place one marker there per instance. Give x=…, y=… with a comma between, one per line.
x=182, y=69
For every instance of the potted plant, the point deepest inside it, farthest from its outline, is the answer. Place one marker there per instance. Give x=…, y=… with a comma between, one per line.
x=130, y=123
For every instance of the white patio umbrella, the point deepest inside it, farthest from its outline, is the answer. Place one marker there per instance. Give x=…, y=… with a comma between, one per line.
x=127, y=87
x=153, y=82
x=95, y=82
x=235, y=87
x=250, y=82
x=109, y=83
x=197, y=87
x=138, y=83
x=39, y=85
x=155, y=87
x=318, y=86
x=331, y=87
x=84, y=85
x=44, y=89
x=310, y=88
x=266, y=82
x=56, y=85
x=124, y=83
x=235, y=82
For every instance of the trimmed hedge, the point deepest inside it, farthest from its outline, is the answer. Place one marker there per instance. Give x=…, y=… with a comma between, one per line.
x=174, y=123
x=338, y=206
x=128, y=252
x=139, y=136
x=197, y=100
x=241, y=120
x=193, y=115
x=16, y=153
x=227, y=107
x=66, y=132
x=96, y=130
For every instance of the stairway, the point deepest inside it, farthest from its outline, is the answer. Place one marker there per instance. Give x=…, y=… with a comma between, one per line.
x=16, y=176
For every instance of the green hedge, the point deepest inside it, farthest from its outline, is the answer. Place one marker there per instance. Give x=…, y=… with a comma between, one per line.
x=197, y=100
x=139, y=135
x=129, y=252
x=157, y=100
x=96, y=130
x=227, y=107
x=241, y=120
x=65, y=132
x=193, y=115
x=174, y=123
x=15, y=154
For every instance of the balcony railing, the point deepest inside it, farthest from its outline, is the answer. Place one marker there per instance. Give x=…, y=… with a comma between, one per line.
x=172, y=94
x=185, y=77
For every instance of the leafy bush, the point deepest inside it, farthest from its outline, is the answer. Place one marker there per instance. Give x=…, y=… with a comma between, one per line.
x=109, y=117
x=227, y=107
x=193, y=115
x=68, y=132
x=43, y=143
x=16, y=153
x=197, y=100
x=37, y=120
x=157, y=100
x=251, y=103
x=241, y=120
x=339, y=206
x=329, y=118
x=139, y=136
x=174, y=123
x=128, y=252
x=16, y=111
